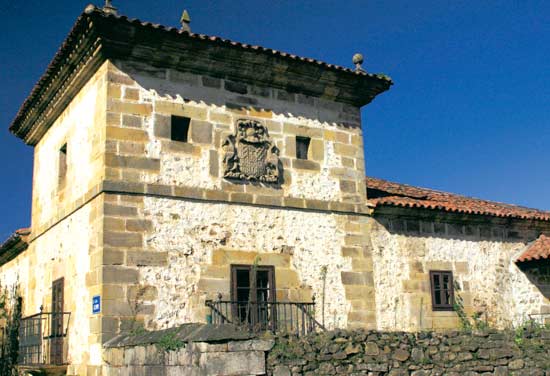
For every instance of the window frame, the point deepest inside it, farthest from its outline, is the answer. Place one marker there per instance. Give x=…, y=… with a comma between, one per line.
x=269, y=268
x=442, y=306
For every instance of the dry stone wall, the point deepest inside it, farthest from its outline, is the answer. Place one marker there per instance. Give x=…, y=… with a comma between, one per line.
x=417, y=354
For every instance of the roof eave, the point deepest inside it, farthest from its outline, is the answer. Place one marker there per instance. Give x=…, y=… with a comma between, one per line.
x=379, y=208
x=13, y=246
x=97, y=36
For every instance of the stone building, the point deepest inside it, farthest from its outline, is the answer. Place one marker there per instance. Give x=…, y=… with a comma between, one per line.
x=177, y=173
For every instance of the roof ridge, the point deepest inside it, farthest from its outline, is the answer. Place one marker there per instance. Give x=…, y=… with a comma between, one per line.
x=84, y=40
x=215, y=38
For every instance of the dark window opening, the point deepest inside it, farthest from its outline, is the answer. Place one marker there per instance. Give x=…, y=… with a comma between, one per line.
x=302, y=147
x=179, y=128
x=62, y=164
x=442, y=290
x=252, y=292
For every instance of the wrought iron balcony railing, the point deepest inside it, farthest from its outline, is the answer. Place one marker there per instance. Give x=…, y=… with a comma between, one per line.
x=43, y=339
x=288, y=317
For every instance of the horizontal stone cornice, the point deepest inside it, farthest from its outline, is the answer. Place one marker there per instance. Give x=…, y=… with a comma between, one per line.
x=199, y=195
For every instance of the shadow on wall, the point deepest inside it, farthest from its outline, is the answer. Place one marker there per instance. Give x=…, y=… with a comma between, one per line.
x=239, y=97
x=538, y=273
x=229, y=101
x=452, y=226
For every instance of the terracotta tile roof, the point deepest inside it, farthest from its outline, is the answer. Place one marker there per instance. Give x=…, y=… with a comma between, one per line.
x=384, y=193
x=244, y=46
x=539, y=249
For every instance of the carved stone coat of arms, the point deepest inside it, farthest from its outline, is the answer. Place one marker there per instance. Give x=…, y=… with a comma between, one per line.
x=249, y=154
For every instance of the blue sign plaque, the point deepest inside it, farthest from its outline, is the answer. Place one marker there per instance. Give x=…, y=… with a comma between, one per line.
x=96, y=304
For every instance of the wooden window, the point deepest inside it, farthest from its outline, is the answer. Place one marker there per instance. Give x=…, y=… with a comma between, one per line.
x=302, y=147
x=62, y=164
x=249, y=283
x=252, y=292
x=179, y=128
x=442, y=290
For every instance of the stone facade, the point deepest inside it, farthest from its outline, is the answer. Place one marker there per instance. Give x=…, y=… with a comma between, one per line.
x=67, y=221
x=123, y=210
x=480, y=253
x=151, y=225
x=188, y=223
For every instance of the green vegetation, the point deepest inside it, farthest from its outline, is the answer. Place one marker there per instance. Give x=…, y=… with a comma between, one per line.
x=169, y=342
x=467, y=323
x=10, y=318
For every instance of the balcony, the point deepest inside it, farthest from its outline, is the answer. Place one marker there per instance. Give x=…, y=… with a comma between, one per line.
x=278, y=317
x=43, y=340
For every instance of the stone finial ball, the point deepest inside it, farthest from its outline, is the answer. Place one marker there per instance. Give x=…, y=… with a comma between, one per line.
x=89, y=8
x=357, y=59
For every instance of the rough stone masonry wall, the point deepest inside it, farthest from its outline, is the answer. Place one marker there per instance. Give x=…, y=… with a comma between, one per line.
x=141, y=100
x=191, y=349
x=67, y=222
x=173, y=224
x=81, y=127
x=480, y=253
x=164, y=257
x=227, y=358
x=417, y=354
x=64, y=251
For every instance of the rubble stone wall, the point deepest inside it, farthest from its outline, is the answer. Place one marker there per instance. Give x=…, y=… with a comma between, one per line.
x=417, y=354
x=142, y=99
x=481, y=255
x=164, y=257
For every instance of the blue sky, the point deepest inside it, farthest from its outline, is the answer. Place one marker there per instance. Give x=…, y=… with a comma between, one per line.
x=469, y=112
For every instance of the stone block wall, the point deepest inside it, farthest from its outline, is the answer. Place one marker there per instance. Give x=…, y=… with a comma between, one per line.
x=81, y=127
x=173, y=225
x=141, y=157
x=188, y=350
x=408, y=244
x=417, y=354
x=164, y=257
x=67, y=217
x=201, y=358
x=67, y=250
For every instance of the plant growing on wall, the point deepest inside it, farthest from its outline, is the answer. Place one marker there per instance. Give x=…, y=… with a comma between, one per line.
x=10, y=318
x=324, y=269
x=136, y=327
x=478, y=320
x=458, y=307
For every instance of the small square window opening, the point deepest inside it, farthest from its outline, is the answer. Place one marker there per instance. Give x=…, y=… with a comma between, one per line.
x=179, y=130
x=302, y=147
x=62, y=164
